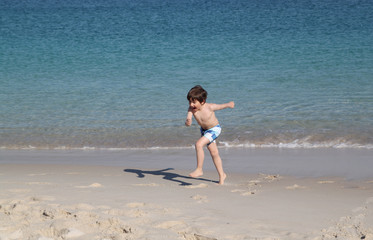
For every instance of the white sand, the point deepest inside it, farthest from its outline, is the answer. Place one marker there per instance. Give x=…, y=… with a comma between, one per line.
x=129, y=197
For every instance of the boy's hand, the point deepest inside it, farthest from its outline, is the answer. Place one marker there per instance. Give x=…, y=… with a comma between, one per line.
x=188, y=122
x=231, y=104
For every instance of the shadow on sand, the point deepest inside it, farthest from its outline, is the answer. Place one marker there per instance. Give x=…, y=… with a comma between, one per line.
x=166, y=175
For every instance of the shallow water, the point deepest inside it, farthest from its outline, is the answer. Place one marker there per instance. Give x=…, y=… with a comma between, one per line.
x=115, y=74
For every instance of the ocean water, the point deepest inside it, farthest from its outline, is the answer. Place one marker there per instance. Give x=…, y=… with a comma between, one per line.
x=105, y=74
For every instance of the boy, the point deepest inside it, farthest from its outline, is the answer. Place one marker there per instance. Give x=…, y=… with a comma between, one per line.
x=204, y=113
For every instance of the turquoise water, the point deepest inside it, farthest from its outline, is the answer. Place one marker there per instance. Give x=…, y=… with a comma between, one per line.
x=115, y=74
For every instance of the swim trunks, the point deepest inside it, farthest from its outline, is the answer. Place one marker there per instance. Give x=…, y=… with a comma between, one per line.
x=212, y=133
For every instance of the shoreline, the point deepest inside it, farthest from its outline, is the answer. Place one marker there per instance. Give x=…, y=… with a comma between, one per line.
x=148, y=195
x=352, y=164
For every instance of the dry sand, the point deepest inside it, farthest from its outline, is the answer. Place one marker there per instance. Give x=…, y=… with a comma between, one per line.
x=81, y=201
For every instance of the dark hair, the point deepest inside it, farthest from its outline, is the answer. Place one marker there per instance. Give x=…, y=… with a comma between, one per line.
x=197, y=93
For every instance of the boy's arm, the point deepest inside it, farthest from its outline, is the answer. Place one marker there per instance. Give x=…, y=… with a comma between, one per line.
x=188, y=120
x=216, y=107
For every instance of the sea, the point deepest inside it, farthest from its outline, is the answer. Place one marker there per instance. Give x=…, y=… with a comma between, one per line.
x=114, y=74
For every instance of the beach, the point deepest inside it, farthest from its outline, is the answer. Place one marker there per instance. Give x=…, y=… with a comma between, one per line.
x=147, y=194
x=93, y=142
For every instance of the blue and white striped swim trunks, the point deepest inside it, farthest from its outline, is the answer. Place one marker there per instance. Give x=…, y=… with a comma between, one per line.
x=212, y=133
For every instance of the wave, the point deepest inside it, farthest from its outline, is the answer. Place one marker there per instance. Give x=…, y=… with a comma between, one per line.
x=299, y=143
x=296, y=144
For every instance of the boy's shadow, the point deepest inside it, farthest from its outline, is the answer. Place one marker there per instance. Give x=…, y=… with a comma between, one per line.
x=166, y=175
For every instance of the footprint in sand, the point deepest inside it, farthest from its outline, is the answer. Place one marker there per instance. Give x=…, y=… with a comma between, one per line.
x=270, y=178
x=250, y=187
x=243, y=192
x=254, y=182
x=200, y=198
x=201, y=185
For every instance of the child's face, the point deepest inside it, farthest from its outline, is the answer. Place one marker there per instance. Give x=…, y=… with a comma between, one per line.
x=195, y=104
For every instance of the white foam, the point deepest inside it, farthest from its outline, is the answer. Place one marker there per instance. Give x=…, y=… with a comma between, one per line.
x=305, y=143
x=299, y=143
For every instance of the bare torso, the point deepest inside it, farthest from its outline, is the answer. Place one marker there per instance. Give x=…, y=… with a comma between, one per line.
x=204, y=113
x=205, y=116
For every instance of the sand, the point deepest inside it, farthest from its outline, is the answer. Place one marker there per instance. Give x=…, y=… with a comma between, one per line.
x=127, y=195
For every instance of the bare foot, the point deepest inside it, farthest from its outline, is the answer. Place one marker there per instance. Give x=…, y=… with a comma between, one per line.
x=221, y=180
x=196, y=173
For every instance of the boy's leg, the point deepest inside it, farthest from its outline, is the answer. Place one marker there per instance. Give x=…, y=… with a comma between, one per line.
x=203, y=141
x=213, y=148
